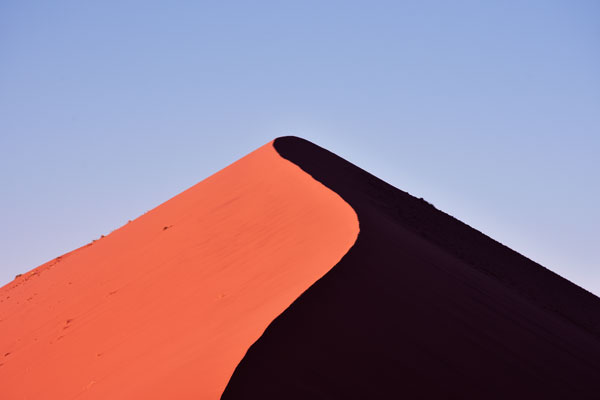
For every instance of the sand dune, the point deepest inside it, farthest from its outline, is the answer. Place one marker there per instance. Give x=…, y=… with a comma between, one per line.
x=422, y=306
x=256, y=284
x=166, y=306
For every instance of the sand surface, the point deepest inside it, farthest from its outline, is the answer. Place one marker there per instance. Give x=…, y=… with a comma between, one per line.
x=257, y=284
x=166, y=306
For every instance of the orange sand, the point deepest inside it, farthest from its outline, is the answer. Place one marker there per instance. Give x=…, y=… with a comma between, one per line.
x=166, y=306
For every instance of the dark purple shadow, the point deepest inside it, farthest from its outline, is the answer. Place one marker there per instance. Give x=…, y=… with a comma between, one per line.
x=422, y=307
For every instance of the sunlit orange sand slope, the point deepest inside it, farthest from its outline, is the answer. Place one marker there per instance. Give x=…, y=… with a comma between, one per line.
x=166, y=306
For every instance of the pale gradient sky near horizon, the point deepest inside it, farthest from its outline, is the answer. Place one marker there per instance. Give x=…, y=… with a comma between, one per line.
x=489, y=110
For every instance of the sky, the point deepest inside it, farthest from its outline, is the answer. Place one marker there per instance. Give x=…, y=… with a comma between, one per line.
x=488, y=110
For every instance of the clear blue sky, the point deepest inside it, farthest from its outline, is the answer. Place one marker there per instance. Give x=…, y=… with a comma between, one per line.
x=489, y=110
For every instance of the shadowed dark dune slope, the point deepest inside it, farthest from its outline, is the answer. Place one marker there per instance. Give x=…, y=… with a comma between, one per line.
x=422, y=306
